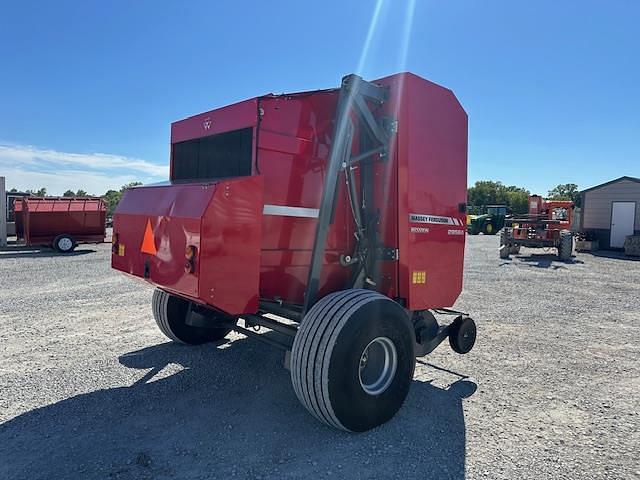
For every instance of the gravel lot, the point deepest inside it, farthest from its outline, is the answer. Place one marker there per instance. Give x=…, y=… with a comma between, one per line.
x=89, y=388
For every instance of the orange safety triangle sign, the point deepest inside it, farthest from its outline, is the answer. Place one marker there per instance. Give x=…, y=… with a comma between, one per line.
x=148, y=242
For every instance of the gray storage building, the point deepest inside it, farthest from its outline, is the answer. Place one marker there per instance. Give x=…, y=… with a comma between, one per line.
x=612, y=211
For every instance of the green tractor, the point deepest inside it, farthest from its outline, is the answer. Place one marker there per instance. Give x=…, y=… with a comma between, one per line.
x=488, y=220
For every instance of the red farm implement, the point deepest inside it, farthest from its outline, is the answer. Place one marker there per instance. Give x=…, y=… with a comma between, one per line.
x=60, y=222
x=333, y=218
x=547, y=225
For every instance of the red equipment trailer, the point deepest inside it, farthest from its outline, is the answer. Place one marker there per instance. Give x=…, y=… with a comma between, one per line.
x=60, y=222
x=547, y=225
x=341, y=211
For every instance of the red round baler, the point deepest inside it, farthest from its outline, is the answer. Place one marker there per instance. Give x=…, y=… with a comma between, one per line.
x=335, y=219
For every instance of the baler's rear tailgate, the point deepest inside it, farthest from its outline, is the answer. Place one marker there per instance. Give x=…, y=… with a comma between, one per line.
x=153, y=226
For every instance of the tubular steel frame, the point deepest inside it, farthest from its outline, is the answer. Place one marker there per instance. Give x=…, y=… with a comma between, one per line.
x=355, y=93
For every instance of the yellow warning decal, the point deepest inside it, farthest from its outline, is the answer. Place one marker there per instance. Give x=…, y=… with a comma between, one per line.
x=121, y=250
x=419, y=276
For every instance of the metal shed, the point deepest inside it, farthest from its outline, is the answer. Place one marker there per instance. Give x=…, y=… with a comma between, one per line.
x=611, y=211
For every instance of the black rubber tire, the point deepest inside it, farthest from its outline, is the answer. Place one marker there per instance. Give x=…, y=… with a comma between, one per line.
x=170, y=313
x=566, y=245
x=462, y=335
x=489, y=228
x=326, y=355
x=505, y=248
x=505, y=237
x=514, y=250
x=61, y=241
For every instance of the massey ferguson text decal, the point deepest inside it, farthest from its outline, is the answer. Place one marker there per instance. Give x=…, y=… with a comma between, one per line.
x=422, y=218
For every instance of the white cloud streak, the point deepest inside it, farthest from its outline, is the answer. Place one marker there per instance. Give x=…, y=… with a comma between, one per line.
x=26, y=166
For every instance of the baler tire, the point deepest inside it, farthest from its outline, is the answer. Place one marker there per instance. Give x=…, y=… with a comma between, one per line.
x=566, y=245
x=170, y=311
x=64, y=243
x=514, y=250
x=328, y=359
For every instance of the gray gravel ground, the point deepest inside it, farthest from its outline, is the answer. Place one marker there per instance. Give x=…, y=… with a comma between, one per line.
x=89, y=388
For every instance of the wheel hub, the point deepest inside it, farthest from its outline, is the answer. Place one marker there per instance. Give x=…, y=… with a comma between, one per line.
x=378, y=365
x=65, y=244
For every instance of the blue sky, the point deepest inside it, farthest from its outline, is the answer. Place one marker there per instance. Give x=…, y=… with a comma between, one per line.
x=88, y=89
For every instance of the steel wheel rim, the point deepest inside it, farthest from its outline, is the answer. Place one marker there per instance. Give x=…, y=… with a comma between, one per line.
x=378, y=365
x=65, y=244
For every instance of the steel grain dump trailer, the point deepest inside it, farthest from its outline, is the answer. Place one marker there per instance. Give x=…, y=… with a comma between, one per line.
x=60, y=222
x=335, y=219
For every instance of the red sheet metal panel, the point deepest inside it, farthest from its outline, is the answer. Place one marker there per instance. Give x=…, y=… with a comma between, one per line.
x=230, y=256
x=432, y=192
x=220, y=219
x=233, y=117
x=175, y=214
x=293, y=145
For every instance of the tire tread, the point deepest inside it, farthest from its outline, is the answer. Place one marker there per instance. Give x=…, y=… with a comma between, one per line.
x=160, y=303
x=565, y=249
x=313, y=346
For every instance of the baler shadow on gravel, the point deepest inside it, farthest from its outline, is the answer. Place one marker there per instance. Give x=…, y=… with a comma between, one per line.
x=334, y=219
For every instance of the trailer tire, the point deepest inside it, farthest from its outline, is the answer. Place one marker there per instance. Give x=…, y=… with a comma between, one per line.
x=352, y=360
x=64, y=243
x=565, y=248
x=170, y=313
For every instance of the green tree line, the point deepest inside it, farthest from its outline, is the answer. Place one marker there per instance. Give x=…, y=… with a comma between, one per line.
x=489, y=192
